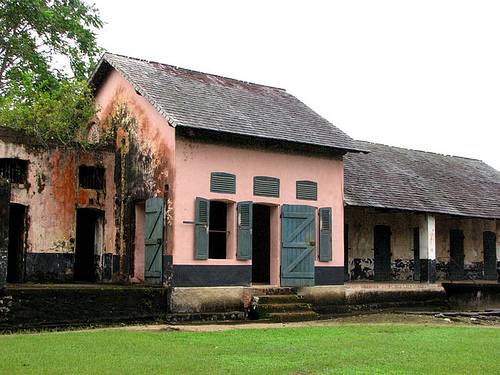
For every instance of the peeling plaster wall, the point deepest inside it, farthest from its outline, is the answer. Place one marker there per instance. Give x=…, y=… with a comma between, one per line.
x=144, y=160
x=52, y=196
x=473, y=244
x=361, y=221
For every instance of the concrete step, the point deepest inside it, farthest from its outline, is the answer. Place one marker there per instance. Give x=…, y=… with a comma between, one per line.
x=258, y=291
x=280, y=298
x=293, y=316
x=282, y=307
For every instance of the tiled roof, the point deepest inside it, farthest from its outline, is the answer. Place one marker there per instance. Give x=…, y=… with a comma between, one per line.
x=398, y=178
x=205, y=101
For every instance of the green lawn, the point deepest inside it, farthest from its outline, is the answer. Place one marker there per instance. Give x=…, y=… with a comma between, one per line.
x=324, y=350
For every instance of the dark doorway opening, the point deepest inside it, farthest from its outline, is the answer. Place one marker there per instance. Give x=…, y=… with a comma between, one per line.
x=217, y=230
x=87, y=242
x=490, y=255
x=15, y=263
x=261, y=244
x=382, y=253
x=456, y=266
x=416, y=254
x=346, y=252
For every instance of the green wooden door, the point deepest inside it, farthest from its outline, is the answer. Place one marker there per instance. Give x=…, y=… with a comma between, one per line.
x=153, y=232
x=298, y=245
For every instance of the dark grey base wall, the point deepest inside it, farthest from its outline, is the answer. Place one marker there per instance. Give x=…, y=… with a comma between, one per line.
x=428, y=270
x=58, y=267
x=49, y=267
x=54, y=306
x=329, y=275
x=210, y=275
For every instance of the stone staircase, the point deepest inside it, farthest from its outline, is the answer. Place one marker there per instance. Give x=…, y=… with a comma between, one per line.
x=281, y=305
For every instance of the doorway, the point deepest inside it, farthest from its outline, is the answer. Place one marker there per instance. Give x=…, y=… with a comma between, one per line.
x=15, y=263
x=88, y=243
x=456, y=266
x=382, y=253
x=490, y=255
x=261, y=244
x=416, y=254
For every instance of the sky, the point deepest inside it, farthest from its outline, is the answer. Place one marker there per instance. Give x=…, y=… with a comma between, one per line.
x=417, y=74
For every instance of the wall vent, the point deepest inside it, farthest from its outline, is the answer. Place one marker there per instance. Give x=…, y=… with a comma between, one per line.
x=266, y=186
x=307, y=190
x=221, y=182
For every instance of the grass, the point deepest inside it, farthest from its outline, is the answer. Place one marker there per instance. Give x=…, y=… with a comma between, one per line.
x=358, y=349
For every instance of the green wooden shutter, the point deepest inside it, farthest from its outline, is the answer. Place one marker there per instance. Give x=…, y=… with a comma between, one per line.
x=202, y=219
x=221, y=182
x=244, y=249
x=325, y=234
x=153, y=241
x=307, y=190
x=266, y=186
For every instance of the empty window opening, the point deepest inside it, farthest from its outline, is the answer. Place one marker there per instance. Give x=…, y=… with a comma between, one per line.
x=217, y=230
x=15, y=264
x=91, y=177
x=261, y=244
x=88, y=242
x=14, y=170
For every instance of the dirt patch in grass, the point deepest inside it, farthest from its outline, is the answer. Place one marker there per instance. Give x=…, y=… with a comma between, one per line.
x=373, y=318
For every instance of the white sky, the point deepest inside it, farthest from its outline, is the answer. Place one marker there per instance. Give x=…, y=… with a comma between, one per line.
x=418, y=74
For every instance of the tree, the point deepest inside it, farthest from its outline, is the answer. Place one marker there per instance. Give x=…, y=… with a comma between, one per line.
x=33, y=33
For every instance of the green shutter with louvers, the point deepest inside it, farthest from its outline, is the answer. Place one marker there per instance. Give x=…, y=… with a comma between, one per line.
x=202, y=218
x=307, y=190
x=325, y=234
x=221, y=182
x=244, y=247
x=266, y=186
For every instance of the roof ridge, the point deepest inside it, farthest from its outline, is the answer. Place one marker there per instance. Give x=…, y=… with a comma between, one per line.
x=176, y=67
x=423, y=151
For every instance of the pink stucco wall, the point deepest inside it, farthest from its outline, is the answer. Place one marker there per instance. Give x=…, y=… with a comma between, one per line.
x=186, y=166
x=196, y=160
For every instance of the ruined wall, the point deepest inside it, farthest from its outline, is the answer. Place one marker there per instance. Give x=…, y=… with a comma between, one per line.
x=144, y=163
x=473, y=244
x=51, y=196
x=361, y=221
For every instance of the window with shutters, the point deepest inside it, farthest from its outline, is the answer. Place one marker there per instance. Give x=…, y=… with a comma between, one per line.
x=14, y=170
x=91, y=177
x=221, y=182
x=217, y=230
x=266, y=186
x=307, y=190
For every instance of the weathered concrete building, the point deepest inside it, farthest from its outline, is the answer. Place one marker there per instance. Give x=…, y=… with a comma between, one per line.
x=55, y=203
x=414, y=215
x=207, y=181
x=224, y=182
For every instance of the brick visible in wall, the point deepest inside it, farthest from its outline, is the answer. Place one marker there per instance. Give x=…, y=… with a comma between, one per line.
x=361, y=269
x=474, y=271
x=402, y=269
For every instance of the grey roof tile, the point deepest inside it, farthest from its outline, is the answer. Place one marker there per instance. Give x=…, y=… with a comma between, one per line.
x=205, y=101
x=398, y=178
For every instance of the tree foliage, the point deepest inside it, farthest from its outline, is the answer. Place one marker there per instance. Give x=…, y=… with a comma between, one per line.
x=57, y=116
x=38, y=96
x=35, y=33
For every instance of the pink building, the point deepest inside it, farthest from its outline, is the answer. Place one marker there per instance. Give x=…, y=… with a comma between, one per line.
x=223, y=182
